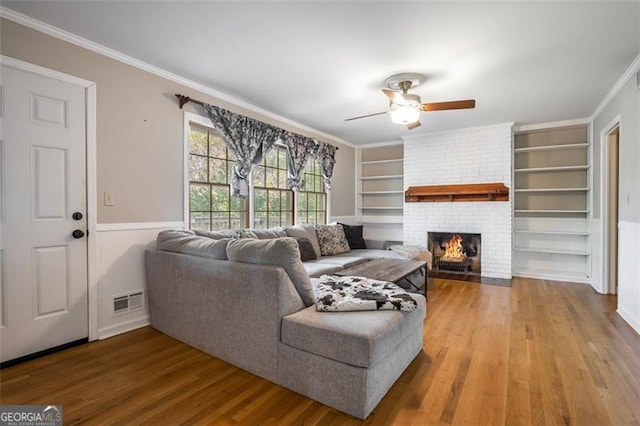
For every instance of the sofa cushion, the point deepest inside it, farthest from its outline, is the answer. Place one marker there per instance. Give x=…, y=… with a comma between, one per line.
x=374, y=254
x=357, y=338
x=354, y=236
x=344, y=261
x=186, y=242
x=266, y=234
x=316, y=269
x=332, y=239
x=305, y=231
x=282, y=252
x=216, y=235
x=306, y=249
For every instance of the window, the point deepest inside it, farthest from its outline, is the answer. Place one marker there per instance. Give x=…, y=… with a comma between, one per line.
x=312, y=202
x=211, y=206
x=273, y=201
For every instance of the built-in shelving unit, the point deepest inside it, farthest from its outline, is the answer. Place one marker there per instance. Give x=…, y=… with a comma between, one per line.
x=552, y=204
x=380, y=191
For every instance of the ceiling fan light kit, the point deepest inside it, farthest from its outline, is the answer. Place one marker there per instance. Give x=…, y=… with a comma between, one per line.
x=405, y=108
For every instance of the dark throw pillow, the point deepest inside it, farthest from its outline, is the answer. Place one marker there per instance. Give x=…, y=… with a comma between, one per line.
x=307, y=251
x=354, y=236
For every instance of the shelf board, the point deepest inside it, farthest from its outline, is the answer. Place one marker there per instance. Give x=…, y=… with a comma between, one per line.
x=553, y=251
x=552, y=190
x=554, y=275
x=578, y=233
x=381, y=177
x=551, y=169
x=551, y=211
x=380, y=192
x=393, y=160
x=552, y=147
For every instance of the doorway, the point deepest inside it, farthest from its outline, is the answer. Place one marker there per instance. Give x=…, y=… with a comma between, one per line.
x=611, y=205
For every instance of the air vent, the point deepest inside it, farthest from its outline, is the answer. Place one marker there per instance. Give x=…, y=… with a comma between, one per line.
x=123, y=303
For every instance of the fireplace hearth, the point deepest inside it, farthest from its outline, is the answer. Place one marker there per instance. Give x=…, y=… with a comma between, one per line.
x=456, y=255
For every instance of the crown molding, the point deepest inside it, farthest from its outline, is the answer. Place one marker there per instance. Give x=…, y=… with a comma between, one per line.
x=419, y=136
x=74, y=39
x=624, y=78
x=380, y=144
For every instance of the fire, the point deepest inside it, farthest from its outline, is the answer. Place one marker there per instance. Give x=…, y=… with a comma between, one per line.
x=453, y=250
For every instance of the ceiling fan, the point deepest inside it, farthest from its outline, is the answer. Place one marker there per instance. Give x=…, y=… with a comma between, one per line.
x=405, y=107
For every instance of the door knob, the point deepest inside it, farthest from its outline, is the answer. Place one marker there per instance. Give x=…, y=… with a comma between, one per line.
x=78, y=233
x=77, y=216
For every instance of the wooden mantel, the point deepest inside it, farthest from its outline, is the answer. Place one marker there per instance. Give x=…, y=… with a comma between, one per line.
x=450, y=193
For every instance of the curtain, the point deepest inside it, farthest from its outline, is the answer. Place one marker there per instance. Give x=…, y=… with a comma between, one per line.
x=248, y=139
x=326, y=156
x=299, y=149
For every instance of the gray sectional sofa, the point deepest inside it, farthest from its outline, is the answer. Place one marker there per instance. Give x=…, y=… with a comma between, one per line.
x=249, y=301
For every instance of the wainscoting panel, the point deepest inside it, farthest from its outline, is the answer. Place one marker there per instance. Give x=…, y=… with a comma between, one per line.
x=629, y=273
x=120, y=270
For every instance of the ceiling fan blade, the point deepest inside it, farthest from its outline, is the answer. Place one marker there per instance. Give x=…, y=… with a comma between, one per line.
x=443, y=106
x=413, y=125
x=396, y=97
x=365, y=116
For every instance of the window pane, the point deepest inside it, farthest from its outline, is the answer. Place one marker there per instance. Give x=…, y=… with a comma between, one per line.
x=288, y=219
x=272, y=158
x=260, y=200
x=217, y=147
x=274, y=219
x=258, y=176
x=282, y=179
x=230, y=166
x=198, y=141
x=287, y=201
x=321, y=198
x=220, y=198
x=272, y=178
x=311, y=202
x=260, y=220
x=274, y=200
x=218, y=171
x=200, y=220
x=200, y=197
x=197, y=168
x=302, y=200
x=219, y=220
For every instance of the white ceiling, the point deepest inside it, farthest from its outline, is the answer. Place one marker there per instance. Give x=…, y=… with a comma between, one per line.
x=319, y=62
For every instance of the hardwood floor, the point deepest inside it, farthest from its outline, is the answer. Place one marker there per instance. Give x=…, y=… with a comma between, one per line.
x=539, y=352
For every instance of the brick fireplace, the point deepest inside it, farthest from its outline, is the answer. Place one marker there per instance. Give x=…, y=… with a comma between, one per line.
x=465, y=156
x=456, y=255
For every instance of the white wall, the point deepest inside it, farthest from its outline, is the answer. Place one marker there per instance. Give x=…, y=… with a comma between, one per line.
x=120, y=269
x=473, y=155
x=623, y=108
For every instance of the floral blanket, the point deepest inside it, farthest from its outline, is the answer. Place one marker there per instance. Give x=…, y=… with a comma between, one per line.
x=335, y=293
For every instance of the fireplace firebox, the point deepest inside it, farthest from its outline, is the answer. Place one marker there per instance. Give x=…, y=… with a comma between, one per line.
x=456, y=255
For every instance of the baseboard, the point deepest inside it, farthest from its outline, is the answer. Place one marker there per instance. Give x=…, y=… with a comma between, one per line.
x=629, y=319
x=106, y=332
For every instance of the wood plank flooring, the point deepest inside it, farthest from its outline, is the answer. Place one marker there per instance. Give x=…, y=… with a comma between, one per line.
x=539, y=352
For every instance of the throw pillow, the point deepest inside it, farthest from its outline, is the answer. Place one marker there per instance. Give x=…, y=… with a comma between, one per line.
x=265, y=234
x=305, y=231
x=332, y=240
x=306, y=249
x=187, y=242
x=281, y=252
x=354, y=236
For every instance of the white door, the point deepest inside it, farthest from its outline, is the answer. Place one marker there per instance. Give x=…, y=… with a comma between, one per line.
x=43, y=265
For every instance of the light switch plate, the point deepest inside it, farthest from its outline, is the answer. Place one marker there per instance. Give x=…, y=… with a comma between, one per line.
x=109, y=199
